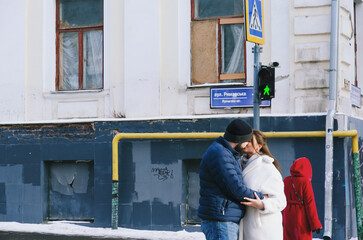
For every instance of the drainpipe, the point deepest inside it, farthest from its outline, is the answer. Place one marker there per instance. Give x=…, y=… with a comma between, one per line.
x=329, y=127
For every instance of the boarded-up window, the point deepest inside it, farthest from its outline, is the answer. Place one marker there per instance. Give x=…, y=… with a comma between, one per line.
x=204, y=51
x=70, y=190
x=217, y=42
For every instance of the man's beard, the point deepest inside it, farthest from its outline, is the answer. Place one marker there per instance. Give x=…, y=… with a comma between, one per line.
x=239, y=149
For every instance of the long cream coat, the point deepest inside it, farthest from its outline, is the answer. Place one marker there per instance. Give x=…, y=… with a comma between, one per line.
x=261, y=175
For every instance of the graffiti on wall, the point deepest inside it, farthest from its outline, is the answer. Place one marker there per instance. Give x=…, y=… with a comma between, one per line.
x=162, y=173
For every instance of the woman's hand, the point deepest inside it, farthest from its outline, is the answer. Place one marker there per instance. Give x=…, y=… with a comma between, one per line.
x=256, y=203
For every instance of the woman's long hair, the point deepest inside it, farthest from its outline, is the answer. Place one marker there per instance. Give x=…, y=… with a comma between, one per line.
x=261, y=139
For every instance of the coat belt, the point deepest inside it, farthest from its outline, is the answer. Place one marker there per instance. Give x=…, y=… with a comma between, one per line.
x=293, y=202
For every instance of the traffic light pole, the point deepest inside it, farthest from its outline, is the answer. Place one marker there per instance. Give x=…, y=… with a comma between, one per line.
x=256, y=98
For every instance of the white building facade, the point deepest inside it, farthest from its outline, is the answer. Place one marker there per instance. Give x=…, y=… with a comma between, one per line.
x=148, y=60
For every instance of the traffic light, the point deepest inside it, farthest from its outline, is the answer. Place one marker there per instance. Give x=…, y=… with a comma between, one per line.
x=266, y=82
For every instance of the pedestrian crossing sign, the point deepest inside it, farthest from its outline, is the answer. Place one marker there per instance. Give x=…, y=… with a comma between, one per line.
x=254, y=23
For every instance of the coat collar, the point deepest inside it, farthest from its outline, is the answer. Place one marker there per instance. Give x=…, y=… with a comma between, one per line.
x=254, y=161
x=225, y=143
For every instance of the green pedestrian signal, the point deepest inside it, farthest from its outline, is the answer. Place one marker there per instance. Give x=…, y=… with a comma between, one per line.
x=266, y=82
x=267, y=91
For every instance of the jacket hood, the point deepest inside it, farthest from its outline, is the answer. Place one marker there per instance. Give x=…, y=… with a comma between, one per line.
x=301, y=168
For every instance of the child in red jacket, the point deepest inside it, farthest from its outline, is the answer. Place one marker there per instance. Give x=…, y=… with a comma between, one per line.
x=300, y=217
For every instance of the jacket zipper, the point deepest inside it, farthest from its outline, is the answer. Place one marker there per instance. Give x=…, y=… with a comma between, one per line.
x=225, y=205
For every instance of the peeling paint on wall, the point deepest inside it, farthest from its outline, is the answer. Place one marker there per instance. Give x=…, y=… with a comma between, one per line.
x=70, y=190
x=69, y=178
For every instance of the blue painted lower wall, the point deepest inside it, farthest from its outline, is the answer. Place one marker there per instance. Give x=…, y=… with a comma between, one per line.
x=158, y=187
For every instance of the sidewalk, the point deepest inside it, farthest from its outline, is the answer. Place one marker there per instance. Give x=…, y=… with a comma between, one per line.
x=64, y=230
x=40, y=236
x=68, y=231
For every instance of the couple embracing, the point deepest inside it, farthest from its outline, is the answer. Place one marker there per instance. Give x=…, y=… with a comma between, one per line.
x=226, y=189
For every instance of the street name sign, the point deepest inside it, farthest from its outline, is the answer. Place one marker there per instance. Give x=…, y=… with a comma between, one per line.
x=233, y=98
x=355, y=96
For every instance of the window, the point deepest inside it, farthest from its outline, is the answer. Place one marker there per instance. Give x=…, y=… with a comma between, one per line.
x=69, y=190
x=191, y=183
x=216, y=8
x=217, y=42
x=79, y=27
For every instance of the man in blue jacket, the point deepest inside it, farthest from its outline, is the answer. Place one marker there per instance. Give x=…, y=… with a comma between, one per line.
x=221, y=185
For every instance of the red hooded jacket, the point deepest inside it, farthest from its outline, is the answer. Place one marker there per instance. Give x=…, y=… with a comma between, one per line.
x=300, y=216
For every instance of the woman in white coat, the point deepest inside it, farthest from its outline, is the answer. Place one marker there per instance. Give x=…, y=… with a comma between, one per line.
x=262, y=172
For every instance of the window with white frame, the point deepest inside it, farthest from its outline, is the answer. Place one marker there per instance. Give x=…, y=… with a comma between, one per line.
x=79, y=27
x=217, y=42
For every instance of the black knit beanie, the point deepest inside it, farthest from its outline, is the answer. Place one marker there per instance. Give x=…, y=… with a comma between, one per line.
x=238, y=131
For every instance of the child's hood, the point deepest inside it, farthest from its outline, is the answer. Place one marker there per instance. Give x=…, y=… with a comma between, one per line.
x=301, y=168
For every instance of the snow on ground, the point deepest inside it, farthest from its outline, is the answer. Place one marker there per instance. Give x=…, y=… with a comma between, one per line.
x=72, y=229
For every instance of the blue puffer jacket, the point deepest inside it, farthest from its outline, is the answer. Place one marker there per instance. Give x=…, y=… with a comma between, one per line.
x=221, y=184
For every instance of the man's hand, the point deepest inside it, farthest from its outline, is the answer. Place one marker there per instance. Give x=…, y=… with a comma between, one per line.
x=256, y=203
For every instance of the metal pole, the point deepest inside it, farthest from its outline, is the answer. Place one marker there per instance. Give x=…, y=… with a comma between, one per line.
x=329, y=128
x=256, y=98
x=114, y=214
